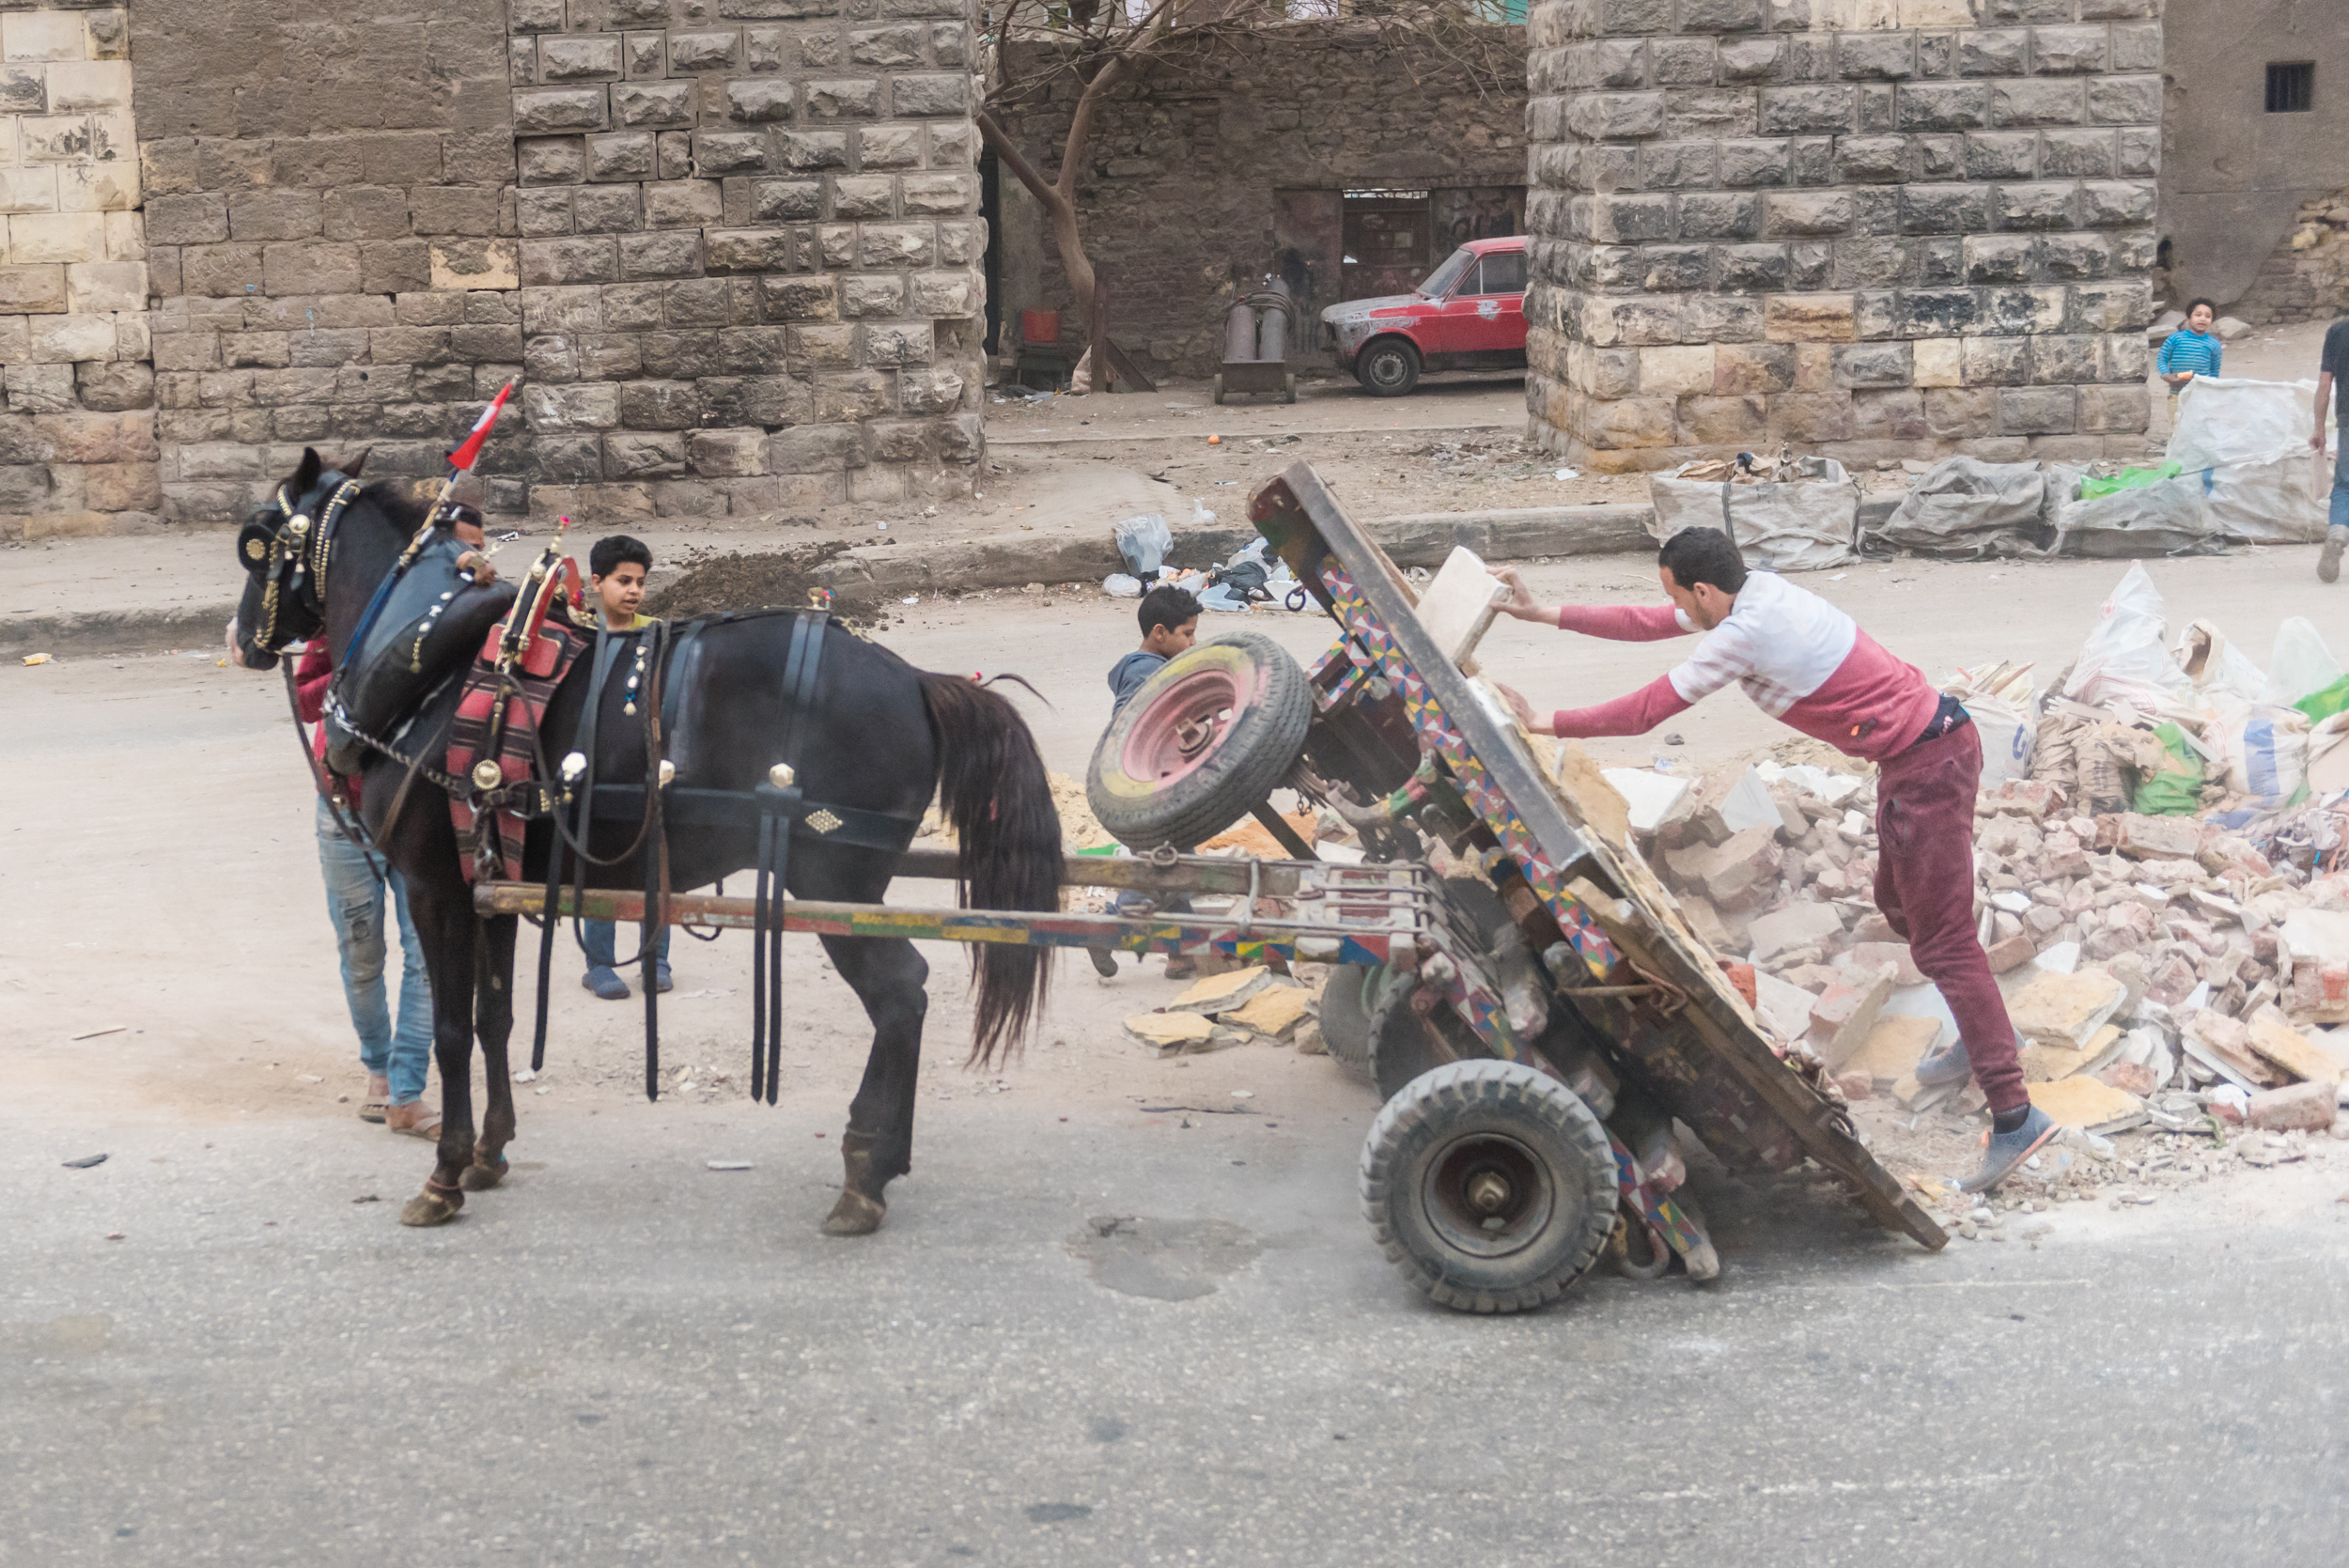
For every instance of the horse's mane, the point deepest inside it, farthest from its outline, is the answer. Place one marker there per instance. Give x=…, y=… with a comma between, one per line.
x=406, y=514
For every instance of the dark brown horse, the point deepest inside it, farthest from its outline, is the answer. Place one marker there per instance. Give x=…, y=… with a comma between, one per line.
x=879, y=735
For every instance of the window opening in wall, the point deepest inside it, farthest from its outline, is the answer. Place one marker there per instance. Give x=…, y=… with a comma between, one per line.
x=2292, y=88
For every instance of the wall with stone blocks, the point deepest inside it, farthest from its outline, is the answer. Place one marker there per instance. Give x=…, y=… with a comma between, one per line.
x=1869, y=227
x=77, y=443
x=749, y=246
x=734, y=244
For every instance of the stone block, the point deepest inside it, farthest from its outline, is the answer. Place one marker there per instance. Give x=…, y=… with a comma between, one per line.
x=547, y=111
x=2037, y=411
x=941, y=193
x=674, y=203
x=1807, y=213
x=311, y=268
x=592, y=406
x=882, y=295
x=196, y=219
x=1723, y=421
x=116, y=387
x=675, y=254
x=1820, y=109
x=627, y=156
x=2115, y=410
x=1871, y=365
x=2113, y=203
x=93, y=286
x=648, y=104
x=578, y=57
x=1936, y=362
x=892, y=245
x=2124, y=99
x=617, y=209
x=79, y=437
x=89, y=84
x=41, y=389
x=42, y=35
x=1846, y=1015
x=726, y=454
x=37, y=238
x=550, y=160
x=2028, y=205
x=64, y=339
x=1943, y=106
x=2070, y=257
x=1801, y=924
x=899, y=343
x=1999, y=257
x=754, y=100
x=582, y=260
x=2037, y=101
x=723, y=152
x=1810, y=317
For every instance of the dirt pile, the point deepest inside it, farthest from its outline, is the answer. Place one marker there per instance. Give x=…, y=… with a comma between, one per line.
x=780, y=579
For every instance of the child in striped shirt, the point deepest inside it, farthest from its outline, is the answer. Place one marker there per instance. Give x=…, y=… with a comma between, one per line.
x=2193, y=350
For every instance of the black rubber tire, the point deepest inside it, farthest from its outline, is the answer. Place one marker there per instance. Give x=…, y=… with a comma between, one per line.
x=1473, y=1116
x=1290, y=392
x=1219, y=387
x=1247, y=760
x=1387, y=367
x=1346, y=1009
x=1405, y=1043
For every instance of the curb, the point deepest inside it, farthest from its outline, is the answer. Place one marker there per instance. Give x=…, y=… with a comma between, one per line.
x=996, y=561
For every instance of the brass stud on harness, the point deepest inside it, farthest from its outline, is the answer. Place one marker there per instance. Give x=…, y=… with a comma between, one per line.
x=487, y=774
x=668, y=773
x=782, y=775
x=574, y=766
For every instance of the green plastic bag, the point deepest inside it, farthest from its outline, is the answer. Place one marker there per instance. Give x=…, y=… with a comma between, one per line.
x=2129, y=479
x=2325, y=701
x=2177, y=789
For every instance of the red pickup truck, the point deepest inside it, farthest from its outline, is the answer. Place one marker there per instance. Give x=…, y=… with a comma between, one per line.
x=1469, y=315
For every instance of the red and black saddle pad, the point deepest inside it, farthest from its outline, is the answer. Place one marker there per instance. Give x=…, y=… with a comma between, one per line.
x=506, y=692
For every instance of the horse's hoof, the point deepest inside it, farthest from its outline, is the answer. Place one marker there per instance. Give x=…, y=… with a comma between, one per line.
x=432, y=1208
x=480, y=1177
x=854, y=1215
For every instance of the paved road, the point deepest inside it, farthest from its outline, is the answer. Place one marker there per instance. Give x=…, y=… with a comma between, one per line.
x=627, y=1358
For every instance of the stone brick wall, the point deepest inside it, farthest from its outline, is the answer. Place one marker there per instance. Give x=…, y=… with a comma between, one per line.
x=77, y=443
x=2306, y=277
x=1181, y=200
x=734, y=244
x=750, y=247
x=1869, y=227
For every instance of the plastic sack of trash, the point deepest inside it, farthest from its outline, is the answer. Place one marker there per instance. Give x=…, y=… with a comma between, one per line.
x=2301, y=664
x=1970, y=509
x=2270, y=501
x=1144, y=541
x=2009, y=735
x=1119, y=585
x=2124, y=657
x=1799, y=525
x=1224, y=597
x=2176, y=787
x=2264, y=749
x=2325, y=701
x=2127, y=479
x=2226, y=420
x=2218, y=669
x=2166, y=517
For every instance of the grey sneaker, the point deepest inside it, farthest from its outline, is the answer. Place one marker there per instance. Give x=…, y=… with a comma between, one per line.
x=2329, y=564
x=1945, y=1066
x=1104, y=961
x=2002, y=1152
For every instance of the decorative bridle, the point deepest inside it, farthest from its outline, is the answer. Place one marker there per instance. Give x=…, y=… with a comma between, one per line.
x=290, y=554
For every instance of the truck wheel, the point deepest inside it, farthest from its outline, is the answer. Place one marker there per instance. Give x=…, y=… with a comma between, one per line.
x=1202, y=743
x=1387, y=368
x=1348, y=1002
x=1489, y=1185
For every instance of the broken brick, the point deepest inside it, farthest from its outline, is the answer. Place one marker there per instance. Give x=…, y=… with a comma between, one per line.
x=2160, y=838
x=1868, y=955
x=1798, y=925
x=2011, y=952
x=2066, y=1009
x=2031, y=797
x=2294, y=1108
x=1841, y=1019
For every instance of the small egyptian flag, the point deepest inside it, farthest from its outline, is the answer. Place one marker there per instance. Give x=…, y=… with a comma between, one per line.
x=462, y=458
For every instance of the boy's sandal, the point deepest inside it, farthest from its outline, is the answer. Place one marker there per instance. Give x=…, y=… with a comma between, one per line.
x=373, y=1109
x=427, y=1124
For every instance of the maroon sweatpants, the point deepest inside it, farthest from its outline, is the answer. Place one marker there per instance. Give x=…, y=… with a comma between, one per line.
x=1925, y=887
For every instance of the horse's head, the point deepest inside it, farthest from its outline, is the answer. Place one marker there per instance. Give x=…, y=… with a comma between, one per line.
x=286, y=547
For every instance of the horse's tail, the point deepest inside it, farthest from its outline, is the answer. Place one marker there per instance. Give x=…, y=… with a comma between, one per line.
x=994, y=792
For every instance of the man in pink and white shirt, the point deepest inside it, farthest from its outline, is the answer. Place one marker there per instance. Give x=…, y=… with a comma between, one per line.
x=1805, y=661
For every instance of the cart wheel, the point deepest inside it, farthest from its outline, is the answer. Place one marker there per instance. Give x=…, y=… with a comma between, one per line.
x=1291, y=397
x=1405, y=1042
x=1205, y=739
x=1219, y=386
x=1489, y=1185
x=1347, y=1004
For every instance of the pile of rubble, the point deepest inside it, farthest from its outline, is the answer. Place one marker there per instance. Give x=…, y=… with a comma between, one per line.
x=2174, y=968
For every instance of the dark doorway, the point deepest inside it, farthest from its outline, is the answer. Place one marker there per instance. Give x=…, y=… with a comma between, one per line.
x=1389, y=241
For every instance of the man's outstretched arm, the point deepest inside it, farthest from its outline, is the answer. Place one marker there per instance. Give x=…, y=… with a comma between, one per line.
x=1618, y=623
x=1634, y=713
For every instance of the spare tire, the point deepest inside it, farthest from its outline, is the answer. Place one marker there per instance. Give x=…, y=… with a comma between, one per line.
x=1202, y=743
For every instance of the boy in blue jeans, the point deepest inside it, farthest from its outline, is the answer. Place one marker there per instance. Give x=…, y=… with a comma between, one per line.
x=617, y=569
